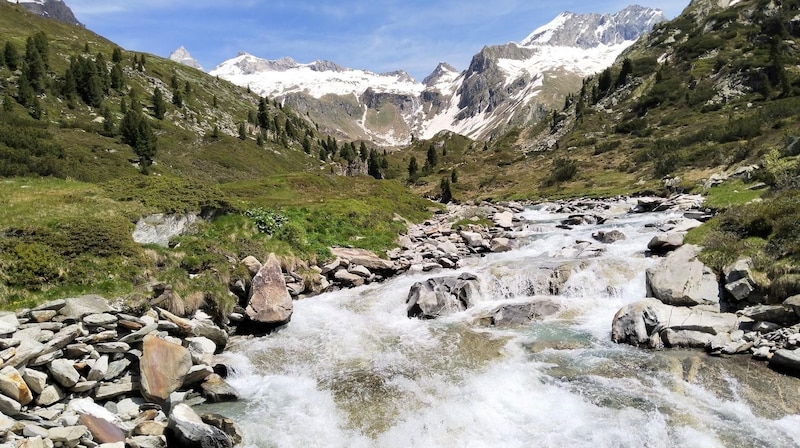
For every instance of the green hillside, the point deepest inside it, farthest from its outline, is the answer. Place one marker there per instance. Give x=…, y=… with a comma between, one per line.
x=94, y=137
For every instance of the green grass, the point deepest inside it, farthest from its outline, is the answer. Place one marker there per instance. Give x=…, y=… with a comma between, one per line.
x=731, y=193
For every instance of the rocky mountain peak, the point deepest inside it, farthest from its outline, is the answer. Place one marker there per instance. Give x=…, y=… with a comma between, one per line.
x=443, y=71
x=592, y=30
x=182, y=56
x=52, y=9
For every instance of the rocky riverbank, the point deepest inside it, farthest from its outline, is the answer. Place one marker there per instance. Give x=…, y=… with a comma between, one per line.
x=85, y=372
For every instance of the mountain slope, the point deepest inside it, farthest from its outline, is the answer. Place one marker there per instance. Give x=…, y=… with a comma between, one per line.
x=507, y=84
x=182, y=56
x=52, y=9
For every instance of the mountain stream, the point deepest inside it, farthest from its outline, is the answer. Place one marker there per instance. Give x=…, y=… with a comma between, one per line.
x=351, y=370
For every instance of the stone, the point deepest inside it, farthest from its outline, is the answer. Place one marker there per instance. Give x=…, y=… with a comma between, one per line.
x=349, y=279
x=116, y=368
x=112, y=347
x=225, y=424
x=83, y=386
x=63, y=371
x=793, y=303
x=360, y=271
x=202, y=349
x=501, y=244
x=270, y=302
x=99, y=369
x=778, y=314
x=102, y=430
x=100, y=320
x=739, y=281
x=609, y=237
x=107, y=391
x=51, y=394
x=190, y=430
x=663, y=243
x=215, y=389
x=212, y=332
x=786, y=360
x=146, y=442
x=34, y=442
x=76, y=308
x=472, y=239
x=197, y=373
x=64, y=337
x=252, y=264
x=448, y=247
x=644, y=322
x=9, y=406
x=682, y=280
x=150, y=428
x=364, y=258
x=163, y=366
x=160, y=228
x=685, y=338
x=520, y=313
x=440, y=296
x=69, y=436
x=8, y=322
x=31, y=430
x=504, y=219
x=53, y=305
x=43, y=315
x=35, y=380
x=13, y=386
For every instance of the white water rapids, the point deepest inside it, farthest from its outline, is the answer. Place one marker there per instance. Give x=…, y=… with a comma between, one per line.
x=351, y=370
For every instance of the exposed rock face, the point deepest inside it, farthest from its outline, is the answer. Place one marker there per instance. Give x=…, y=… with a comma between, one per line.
x=270, y=303
x=442, y=295
x=164, y=366
x=652, y=323
x=682, y=280
x=182, y=56
x=159, y=228
x=52, y=9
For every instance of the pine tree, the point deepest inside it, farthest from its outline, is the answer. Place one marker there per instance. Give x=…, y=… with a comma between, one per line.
x=433, y=157
x=242, y=131
x=109, y=127
x=116, y=55
x=446, y=194
x=177, y=98
x=454, y=176
x=263, y=115
x=306, y=145
x=117, y=77
x=413, y=169
x=33, y=67
x=159, y=105
x=173, y=81
x=8, y=103
x=215, y=132
x=627, y=69
x=2, y=58
x=11, y=56
x=42, y=45
x=137, y=133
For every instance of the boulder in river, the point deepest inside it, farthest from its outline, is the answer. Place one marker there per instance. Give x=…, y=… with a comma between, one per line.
x=164, y=366
x=440, y=296
x=652, y=323
x=270, y=302
x=683, y=280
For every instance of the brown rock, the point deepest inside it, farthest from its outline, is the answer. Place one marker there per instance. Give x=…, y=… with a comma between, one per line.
x=103, y=431
x=163, y=367
x=270, y=302
x=13, y=386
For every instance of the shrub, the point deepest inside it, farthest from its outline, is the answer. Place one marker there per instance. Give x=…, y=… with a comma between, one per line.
x=564, y=169
x=268, y=221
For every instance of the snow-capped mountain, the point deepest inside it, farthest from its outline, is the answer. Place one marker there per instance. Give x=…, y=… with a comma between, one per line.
x=503, y=85
x=182, y=56
x=53, y=9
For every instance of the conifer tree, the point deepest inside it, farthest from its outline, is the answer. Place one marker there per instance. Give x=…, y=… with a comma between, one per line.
x=242, y=131
x=177, y=98
x=263, y=116
x=117, y=77
x=446, y=194
x=33, y=67
x=433, y=157
x=109, y=126
x=413, y=169
x=42, y=45
x=159, y=105
x=116, y=55
x=137, y=133
x=11, y=56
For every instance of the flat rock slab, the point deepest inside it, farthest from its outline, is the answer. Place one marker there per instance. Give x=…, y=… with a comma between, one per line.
x=164, y=366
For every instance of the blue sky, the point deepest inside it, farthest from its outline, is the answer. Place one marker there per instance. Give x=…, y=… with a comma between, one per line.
x=376, y=35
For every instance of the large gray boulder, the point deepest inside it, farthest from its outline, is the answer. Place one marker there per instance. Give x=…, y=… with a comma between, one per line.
x=665, y=242
x=440, y=296
x=75, y=308
x=270, y=302
x=159, y=228
x=521, y=313
x=652, y=323
x=363, y=257
x=740, y=284
x=682, y=280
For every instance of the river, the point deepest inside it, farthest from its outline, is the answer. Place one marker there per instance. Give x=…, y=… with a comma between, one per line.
x=351, y=370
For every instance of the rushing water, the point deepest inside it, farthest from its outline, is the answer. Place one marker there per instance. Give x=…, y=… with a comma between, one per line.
x=351, y=370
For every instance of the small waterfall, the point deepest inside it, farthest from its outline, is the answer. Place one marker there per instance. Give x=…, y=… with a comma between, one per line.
x=351, y=370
